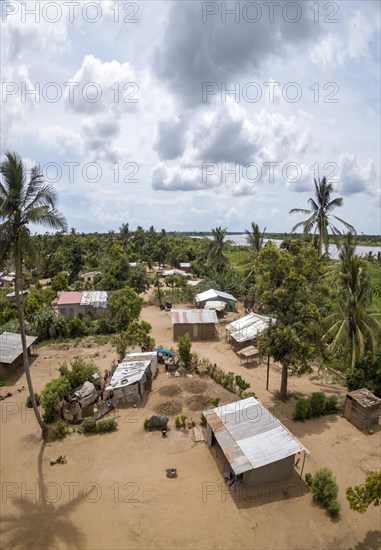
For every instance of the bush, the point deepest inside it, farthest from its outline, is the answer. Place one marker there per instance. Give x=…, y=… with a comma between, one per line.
x=202, y=419
x=52, y=394
x=302, y=410
x=184, y=349
x=77, y=327
x=183, y=418
x=29, y=401
x=146, y=423
x=107, y=425
x=177, y=422
x=215, y=401
x=317, y=404
x=308, y=478
x=334, y=508
x=89, y=425
x=59, y=430
x=331, y=405
x=247, y=394
x=355, y=380
x=325, y=489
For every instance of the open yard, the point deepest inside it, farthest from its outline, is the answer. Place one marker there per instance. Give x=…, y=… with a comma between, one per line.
x=113, y=492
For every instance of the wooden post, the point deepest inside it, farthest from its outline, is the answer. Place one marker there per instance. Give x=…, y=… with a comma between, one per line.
x=304, y=459
x=268, y=372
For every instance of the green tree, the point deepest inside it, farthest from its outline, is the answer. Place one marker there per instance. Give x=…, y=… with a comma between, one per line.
x=184, y=348
x=60, y=282
x=320, y=214
x=255, y=238
x=216, y=259
x=137, y=333
x=361, y=497
x=290, y=289
x=125, y=306
x=23, y=202
x=351, y=325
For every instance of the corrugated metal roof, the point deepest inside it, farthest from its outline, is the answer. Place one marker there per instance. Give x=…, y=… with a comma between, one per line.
x=128, y=373
x=11, y=347
x=212, y=295
x=69, y=298
x=249, y=327
x=96, y=299
x=250, y=436
x=193, y=316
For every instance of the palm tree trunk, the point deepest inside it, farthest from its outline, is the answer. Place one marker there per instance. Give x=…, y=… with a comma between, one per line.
x=18, y=288
x=283, y=385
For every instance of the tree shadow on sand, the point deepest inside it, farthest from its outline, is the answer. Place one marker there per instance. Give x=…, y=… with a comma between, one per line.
x=371, y=541
x=41, y=524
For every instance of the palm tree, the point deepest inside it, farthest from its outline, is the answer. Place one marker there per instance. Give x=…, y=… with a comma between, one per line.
x=255, y=238
x=320, y=214
x=22, y=203
x=216, y=259
x=351, y=326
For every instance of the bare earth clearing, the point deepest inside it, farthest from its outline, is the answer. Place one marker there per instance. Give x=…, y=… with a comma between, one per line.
x=113, y=492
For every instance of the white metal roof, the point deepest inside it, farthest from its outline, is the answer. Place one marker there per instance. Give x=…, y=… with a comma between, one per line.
x=213, y=295
x=250, y=436
x=128, y=373
x=10, y=346
x=96, y=298
x=249, y=327
x=193, y=316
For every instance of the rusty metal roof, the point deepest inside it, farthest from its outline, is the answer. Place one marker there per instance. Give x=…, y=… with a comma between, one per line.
x=250, y=436
x=193, y=316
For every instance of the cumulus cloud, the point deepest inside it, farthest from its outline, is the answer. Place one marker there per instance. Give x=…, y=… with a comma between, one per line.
x=227, y=146
x=355, y=177
x=170, y=142
x=193, y=51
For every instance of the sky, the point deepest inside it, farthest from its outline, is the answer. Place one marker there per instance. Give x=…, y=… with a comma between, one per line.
x=191, y=115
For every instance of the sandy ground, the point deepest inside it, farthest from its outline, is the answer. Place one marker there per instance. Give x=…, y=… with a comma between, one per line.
x=113, y=492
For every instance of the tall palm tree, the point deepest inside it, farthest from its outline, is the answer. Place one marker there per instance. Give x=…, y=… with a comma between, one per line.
x=320, y=214
x=216, y=259
x=24, y=202
x=351, y=326
x=255, y=238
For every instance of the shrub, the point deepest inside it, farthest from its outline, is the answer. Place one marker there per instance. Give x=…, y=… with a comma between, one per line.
x=247, y=394
x=177, y=422
x=355, y=380
x=331, y=405
x=89, y=425
x=302, y=410
x=325, y=489
x=183, y=418
x=29, y=401
x=59, y=430
x=334, y=508
x=308, y=478
x=202, y=419
x=215, y=401
x=146, y=423
x=79, y=373
x=317, y=404
x=107, y=425
x=77, y=327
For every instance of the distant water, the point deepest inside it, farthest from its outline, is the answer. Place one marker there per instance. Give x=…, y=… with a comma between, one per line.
x=333, y=252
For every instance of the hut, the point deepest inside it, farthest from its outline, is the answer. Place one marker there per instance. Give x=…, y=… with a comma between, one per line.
x=72, y=304
x=216, y=295
x=218, y=306
x=257, y=448
x=362, y=408
x=131, y=381
x=199, y=324
x=11, y=355
x=80, y=404
x=244, y=332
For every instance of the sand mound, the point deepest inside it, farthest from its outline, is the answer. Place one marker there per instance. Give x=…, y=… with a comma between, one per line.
x=169, y=408
x=170, y=390
x=195, y=386
x=199, y=403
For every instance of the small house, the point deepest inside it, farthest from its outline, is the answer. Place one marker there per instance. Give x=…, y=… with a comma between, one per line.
x=90, y=276
x=131, y=382
x=362, y=408
x=256, y=447
x=7, y=281
x=80, y=404
x=11, y=354
x=216, y=295
x=199, y=324
x=72, y=304
x=186, y=266
x=245, y=331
